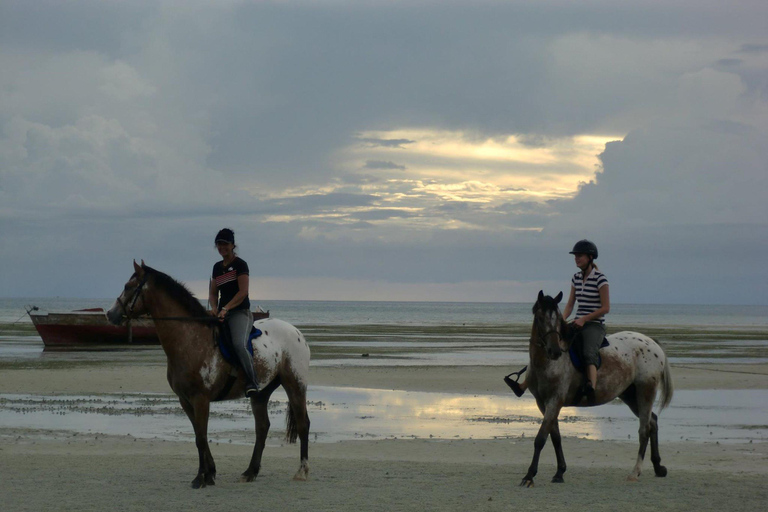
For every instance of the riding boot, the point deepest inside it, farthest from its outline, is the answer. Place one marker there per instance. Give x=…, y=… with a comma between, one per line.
x=589, y=392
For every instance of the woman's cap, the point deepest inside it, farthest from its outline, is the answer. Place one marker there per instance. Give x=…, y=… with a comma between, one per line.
x=585, y=247
x=225, y=235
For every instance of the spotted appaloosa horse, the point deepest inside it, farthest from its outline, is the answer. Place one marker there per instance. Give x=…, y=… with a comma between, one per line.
x=633, y=369
x=198, y=373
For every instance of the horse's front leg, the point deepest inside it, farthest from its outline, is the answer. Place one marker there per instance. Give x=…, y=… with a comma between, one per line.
x=197, y=411
x=550, y=419
x=557, y=442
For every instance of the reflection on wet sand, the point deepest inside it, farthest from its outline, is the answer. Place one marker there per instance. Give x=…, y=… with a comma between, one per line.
x=355, y=413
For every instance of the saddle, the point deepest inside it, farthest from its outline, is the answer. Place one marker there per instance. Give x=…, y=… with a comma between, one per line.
x=227, y=349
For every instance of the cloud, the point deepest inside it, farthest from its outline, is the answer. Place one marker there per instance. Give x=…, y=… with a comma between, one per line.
x=386, y=143
x=753, y=48
x=381, y=164
x=365, y=142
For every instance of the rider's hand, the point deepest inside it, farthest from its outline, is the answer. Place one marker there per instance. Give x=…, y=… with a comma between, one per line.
x=222, y=314
x=579, y=322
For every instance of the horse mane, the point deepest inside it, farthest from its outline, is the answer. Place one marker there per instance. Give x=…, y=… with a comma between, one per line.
x=177, y=291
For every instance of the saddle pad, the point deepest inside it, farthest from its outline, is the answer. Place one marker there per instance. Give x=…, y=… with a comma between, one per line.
x=576, y=356
x=225, y=345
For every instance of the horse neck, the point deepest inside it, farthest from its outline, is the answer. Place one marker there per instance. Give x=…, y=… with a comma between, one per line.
x=178, y=338
x=537, y=354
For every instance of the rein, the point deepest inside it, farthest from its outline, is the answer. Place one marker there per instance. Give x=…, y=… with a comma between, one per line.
x=128, y=311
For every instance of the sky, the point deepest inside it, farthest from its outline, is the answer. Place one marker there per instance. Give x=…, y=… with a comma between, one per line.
x=387, y=150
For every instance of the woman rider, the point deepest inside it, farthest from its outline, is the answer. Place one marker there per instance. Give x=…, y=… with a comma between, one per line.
x=589, y=287
x=228, y=296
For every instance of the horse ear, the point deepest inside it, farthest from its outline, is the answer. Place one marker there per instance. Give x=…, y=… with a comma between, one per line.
x=138, y=269
x=143, y=264
x=541, y=294
x=559, y=298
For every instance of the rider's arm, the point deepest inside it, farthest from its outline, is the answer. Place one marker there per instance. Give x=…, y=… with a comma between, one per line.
x=213, y=297
x=605, y=305
x=242, y=292
x=571, y=301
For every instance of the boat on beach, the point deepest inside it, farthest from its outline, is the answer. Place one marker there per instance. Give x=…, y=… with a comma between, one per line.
x=90, y=327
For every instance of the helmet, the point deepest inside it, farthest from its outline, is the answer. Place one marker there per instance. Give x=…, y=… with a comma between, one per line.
x=225, y=235
x=585, y=247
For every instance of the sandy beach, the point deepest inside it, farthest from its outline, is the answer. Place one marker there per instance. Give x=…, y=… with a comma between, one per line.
x=58, y=470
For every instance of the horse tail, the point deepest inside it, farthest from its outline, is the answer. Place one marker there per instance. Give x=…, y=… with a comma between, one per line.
x=667, y=387
x=291, y=429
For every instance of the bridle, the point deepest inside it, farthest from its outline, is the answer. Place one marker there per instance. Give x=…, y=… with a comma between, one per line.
x=541, y=339
x=128, y=311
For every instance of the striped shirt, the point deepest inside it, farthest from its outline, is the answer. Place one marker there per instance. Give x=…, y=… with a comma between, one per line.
x=588, y=294
x=226, y=282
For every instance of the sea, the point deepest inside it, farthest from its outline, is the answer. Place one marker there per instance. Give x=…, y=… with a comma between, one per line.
x=435, y=313
x=451, y=335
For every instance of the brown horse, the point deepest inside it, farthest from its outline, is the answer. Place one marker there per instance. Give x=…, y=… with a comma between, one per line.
x=198, y=373
x=633, y=368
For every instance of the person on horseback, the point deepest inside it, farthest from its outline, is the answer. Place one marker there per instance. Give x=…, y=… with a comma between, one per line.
x=228, y=296
x=589, y=287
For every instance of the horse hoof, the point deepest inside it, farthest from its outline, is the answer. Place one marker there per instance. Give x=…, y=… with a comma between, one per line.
x=526, y=483
x=198, y=483
x=558, y=480
x=301, y=475
x=661, y=471
x=633, y=478
x=248, y=476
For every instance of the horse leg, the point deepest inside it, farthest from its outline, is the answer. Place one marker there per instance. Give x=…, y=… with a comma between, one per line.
x=557, y=442
x=550, y=417
x=644, y=403
x=298, y=423
x=658, y=469
x=197, y=413
x=259, y=407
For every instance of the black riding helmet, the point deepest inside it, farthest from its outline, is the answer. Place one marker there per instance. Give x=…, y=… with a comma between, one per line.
x=585, y=247
x=225, y=235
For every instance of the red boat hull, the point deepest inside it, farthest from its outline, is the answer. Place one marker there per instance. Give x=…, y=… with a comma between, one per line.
x=91, y=327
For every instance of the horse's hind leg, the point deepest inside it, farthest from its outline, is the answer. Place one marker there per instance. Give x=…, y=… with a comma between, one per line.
x=644, y=397
x=298, y=423
x=658, y=469
x=260, y=414
x=557, y=442
x=197, y=413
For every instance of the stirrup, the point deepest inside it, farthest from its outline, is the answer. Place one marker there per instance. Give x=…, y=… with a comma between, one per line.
x=251, y=391
x=513, y=384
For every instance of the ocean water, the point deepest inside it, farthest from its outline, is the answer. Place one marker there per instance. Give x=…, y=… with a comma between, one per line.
x=388, y=334
x=437, y=313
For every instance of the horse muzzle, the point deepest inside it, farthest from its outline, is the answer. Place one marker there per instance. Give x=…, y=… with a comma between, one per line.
x=115, y=315
x=554, y=354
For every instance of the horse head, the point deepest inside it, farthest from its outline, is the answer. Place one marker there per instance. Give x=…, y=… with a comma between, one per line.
x=131, y=303
x=549, y=327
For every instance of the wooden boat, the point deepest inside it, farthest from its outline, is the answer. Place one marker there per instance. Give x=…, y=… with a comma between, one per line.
x=90, y=327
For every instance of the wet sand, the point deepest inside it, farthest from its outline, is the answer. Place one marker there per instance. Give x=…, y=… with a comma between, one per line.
x=57, y=470
x=150, y=378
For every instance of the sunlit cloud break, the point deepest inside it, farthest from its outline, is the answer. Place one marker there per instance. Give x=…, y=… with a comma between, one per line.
x=424, y=175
